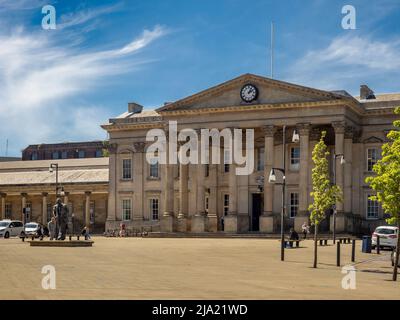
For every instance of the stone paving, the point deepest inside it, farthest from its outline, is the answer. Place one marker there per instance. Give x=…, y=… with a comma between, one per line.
x=151, y=268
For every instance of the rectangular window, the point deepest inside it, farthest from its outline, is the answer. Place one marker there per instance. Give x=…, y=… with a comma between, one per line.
x=126, y=209
x=226, y=204
x=8, y=211
x=126, y=169
x=55, y=155
x=260, y=159
x=207, y=201
x=99, y=153
x=154, y=209
x=154, y=170
x=372, y=208
x=81, y=154
x=28, y=211
x=34, y=156
x=295, y=158
x=372, y=158
x=294, y=204
x=64, y=155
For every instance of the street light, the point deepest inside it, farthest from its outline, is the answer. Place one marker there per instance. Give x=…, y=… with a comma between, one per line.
x=342, y=162
x=272, y=179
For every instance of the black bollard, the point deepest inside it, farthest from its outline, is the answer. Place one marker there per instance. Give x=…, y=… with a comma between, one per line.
x=77, y=237
x=70, y=237
x=378, y=245
x=353, y=250
x=338, y=254
x=23, y=239
x=33, y=238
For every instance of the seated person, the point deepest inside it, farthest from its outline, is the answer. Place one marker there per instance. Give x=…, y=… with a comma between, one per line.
x=293, y=235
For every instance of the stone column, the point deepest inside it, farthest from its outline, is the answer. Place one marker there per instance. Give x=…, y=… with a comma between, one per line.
x=304, y=133
x=3, y=205
x=23, y=205
x=44, y=208
x=66, y=201
x=87, y=208
x=212, y=217
x=348, y=174
x=183, y=193
x=231, y=220
x=339, y=127
x=138, y=179
x=167, y=221
x=267, y=218
x=198, y=221
x=112, y=188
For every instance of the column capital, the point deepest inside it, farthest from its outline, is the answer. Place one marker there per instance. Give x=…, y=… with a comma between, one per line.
x=269, y=130
x=88, y=193
x=45, y=194
x=139, y=146
x=24, y=194
x=3, y=194
x=66, y=193
x=339, y=126
x=304, y=128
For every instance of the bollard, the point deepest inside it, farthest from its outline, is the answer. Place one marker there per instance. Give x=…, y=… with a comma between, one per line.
x=326, y=242
x=338, y=254
x=378, y=245
x=353, y=250
x=70, y=237
x=320, y=242
x=33, y=238
x=23, y=239
x=77, y=237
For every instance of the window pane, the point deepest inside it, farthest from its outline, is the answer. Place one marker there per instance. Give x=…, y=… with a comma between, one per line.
x=126, y=169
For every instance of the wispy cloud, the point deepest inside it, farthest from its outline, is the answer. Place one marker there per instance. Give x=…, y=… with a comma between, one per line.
x=82, y=16
x=346, y=62
x=41, y=76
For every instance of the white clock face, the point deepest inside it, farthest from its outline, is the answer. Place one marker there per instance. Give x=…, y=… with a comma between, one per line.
x=249, y=93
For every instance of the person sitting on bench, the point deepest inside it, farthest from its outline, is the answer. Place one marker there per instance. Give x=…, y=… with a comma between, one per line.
x=293, y=235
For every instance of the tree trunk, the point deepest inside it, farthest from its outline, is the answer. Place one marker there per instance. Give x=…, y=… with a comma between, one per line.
x=396, y=261
x=315, y=244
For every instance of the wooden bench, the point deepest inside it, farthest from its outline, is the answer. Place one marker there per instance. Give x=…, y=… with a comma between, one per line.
x=344, y=240
x=323, y=242
x=290, y=243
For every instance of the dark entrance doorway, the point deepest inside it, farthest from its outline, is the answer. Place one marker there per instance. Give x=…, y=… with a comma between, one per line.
x=257, y=207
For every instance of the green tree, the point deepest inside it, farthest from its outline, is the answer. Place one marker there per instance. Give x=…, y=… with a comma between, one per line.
x=324, y=194
x=106, y=152
x=386, y=182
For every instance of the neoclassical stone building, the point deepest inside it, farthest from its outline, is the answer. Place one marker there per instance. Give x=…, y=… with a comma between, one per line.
x=210, y=198
x=30, y=186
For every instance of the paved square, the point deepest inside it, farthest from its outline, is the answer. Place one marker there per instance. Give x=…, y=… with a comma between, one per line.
x=150, y=268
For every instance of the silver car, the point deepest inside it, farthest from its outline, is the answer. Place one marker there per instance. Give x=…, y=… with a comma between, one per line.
x=11, y=228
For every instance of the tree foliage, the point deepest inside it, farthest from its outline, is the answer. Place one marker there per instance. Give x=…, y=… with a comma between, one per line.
x=386, y=182
x=323, y=193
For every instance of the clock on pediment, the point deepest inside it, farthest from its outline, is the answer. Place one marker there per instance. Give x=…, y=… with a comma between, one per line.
x=249, y=93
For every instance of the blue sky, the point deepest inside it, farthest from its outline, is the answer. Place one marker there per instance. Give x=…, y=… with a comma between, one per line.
x=60, y=85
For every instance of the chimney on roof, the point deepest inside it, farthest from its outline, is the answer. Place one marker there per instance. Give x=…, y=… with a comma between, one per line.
x=134, y=107
x=366, y=92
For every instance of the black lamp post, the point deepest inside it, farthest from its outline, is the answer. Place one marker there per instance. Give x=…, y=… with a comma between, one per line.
x=342, y=162
x=272, y=179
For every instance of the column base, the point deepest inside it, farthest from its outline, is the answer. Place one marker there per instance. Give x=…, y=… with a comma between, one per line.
x=231, y=223
x=167, y=223
x=199, y=223
x=212, y=223
x=267, y=224
x=181, y=224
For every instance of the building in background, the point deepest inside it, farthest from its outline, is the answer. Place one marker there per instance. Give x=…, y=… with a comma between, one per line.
x=83, y=184
x=65, y=150
x=5, y=159
x=201, y=198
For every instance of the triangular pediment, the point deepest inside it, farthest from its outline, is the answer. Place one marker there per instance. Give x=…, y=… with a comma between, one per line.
x=269, y=91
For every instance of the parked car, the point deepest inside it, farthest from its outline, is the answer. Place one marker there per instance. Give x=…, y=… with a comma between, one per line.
x=387, y=237
x=11, y=228
x=31, y=228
